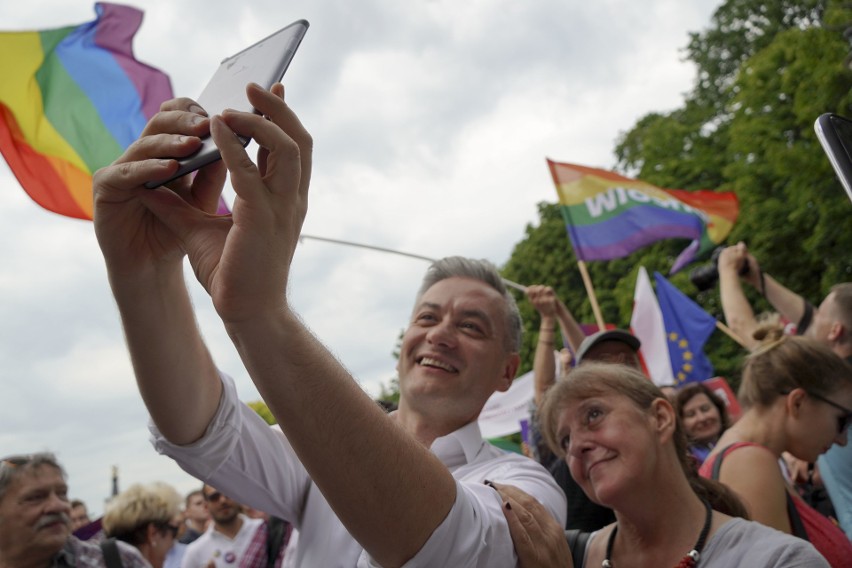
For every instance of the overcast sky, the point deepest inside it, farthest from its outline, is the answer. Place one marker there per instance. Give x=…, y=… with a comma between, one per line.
x=431, y=119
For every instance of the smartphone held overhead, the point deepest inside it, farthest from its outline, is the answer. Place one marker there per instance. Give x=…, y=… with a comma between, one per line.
x=263, y=63
x=835, y=134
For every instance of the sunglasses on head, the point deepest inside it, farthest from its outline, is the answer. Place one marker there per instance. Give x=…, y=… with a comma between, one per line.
x=844, y=419
x=213, y=497
x=168, y=527
x=15, y=461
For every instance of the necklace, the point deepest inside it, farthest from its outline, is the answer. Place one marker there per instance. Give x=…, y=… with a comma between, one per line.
x=692, y=557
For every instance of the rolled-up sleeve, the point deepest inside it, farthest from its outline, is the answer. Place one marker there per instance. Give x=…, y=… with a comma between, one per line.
x=475, y=532
x=242, y=456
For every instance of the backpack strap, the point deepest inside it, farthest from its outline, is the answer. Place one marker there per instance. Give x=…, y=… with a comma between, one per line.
x=577, y=541
x=796, y=524
x=112, y=559
x=277, y=534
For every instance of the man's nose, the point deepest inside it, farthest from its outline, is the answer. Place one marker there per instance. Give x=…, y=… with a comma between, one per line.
x=442, y=333
x=57, y=504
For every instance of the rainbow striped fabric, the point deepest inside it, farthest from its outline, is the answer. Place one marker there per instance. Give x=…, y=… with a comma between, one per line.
x=71, y=100
x=610, y=216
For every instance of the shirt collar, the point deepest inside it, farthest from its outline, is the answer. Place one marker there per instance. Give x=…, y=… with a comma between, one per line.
x=460, y=447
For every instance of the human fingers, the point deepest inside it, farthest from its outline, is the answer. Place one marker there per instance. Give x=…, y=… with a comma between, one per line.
x=124, y=176
x=731, y=257
x=283, y=168
x=183, y=116
x=207, y=185
x=271, y=104
x=539, y=540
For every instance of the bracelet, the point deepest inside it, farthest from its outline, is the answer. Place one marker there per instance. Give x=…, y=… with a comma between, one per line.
x=547, y=329
x=546, y=342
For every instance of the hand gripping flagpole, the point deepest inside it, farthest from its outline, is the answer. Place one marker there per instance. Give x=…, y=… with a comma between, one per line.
x=509, y=283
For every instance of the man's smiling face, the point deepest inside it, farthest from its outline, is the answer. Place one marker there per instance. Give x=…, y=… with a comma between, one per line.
x=455, y=351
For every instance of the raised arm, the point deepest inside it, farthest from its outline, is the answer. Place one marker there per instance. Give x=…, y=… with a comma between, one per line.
x=543, y=300
x=144, y=261
x=788, y=303
x=552, y=311
x=739, y=314
x=331, y=423
x=571, y=330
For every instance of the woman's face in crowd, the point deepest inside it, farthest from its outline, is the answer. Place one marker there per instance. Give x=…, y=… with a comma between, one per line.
x=824, y=422
x=701, y=419
x=608, y=443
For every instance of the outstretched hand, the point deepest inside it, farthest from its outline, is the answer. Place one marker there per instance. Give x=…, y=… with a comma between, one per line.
x=539, y=540
x=132, y=239
x=243, y=260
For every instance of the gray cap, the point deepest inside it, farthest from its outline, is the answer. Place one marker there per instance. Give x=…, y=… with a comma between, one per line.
x=607, y=335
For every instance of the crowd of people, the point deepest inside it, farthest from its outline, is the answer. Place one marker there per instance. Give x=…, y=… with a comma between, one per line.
x=618, y=473
x=145, y=526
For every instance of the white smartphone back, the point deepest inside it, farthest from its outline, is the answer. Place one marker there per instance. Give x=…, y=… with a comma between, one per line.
x=263, y=63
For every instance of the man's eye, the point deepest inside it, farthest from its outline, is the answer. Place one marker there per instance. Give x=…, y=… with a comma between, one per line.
x=471, y=326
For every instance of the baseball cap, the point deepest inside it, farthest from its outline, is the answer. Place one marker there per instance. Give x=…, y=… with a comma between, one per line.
x=607, y=335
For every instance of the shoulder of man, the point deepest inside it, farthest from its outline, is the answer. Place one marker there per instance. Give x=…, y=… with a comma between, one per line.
x=89, y=554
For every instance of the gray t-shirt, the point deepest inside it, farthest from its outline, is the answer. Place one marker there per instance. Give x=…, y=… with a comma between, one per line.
x=745, y=544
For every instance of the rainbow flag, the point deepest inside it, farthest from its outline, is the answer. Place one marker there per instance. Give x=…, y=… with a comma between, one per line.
x=610, y=216
x=71, y=100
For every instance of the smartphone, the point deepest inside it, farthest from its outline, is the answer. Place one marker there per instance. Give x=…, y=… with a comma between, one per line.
x=263, y=63
x=835, y=134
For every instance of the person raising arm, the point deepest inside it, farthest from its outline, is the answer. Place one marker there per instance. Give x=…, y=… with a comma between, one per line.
x=459, y=348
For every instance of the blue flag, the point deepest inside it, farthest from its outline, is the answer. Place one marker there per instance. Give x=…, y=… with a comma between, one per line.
x=687, y=328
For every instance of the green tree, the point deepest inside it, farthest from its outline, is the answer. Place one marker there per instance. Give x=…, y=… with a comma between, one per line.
x=263, y=411
x=765, y=71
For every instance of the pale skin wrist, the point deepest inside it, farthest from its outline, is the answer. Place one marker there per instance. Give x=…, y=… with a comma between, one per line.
x=150, y=282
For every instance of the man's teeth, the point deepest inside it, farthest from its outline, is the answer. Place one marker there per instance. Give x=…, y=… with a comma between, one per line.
x=429, y=362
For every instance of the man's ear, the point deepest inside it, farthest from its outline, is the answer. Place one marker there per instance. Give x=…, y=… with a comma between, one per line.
x=836, y=331
x=510, y=369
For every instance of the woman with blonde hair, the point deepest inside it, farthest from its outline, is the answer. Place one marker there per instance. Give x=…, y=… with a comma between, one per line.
x=144, y=516
x=623, y=443
x=797, y=394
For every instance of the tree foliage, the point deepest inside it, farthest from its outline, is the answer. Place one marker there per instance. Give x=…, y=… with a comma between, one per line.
x=765, y=72
x=263, y=411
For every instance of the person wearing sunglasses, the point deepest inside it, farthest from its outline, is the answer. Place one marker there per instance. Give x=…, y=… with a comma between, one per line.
x=830, y=324
x=227, y=536
x=35, y=522
x=147, y=517
x=797, y=394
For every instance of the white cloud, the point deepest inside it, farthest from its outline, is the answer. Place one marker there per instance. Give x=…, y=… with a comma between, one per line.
x=431, y=119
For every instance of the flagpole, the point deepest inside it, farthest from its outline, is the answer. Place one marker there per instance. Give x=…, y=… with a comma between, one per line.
x=590, y=290
x=507, y=282
x=730, y=333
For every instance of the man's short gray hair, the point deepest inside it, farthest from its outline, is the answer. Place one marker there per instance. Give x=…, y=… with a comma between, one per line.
x=484, y=271
x=13, y=466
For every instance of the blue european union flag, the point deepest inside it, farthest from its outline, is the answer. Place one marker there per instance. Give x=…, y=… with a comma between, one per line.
x=687, y=328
